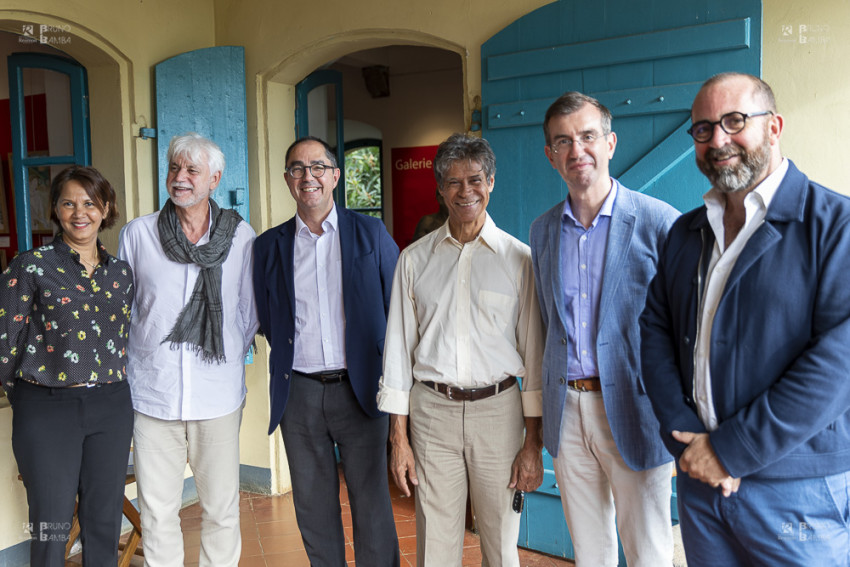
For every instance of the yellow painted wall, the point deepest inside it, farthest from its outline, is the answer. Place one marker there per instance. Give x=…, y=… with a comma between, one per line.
x=119, y=41
x=809, y=71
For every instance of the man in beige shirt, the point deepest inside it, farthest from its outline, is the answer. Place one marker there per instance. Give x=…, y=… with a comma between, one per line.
x=463, y=325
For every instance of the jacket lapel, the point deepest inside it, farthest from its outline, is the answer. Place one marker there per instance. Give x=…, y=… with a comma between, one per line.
x=620, y=231
x=552, y=249
x=286, y=264
x=786, y=206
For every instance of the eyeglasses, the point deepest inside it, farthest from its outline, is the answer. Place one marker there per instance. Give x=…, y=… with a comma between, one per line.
x=732, y=123
x=317, y=170
x=584, y=140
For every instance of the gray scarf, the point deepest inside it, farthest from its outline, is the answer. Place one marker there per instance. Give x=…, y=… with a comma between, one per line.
x=200, y=322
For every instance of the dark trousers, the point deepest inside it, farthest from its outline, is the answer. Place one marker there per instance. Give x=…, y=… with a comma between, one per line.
x=316, y=416
x=69, y=442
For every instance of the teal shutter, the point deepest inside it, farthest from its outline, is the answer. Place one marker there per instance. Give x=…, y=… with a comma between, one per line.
x=645, y=64
x=203, y=91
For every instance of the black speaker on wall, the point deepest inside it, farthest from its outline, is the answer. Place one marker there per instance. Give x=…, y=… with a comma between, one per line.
x=377, y=79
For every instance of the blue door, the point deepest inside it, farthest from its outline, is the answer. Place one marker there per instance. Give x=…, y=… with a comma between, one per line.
x=203, y=91
x=645, y=62
x=30, y=170
x=314, y=96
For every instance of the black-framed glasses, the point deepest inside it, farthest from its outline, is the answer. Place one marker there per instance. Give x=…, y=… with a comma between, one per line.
x=317, y=170
x=564, y=144
x=732, y=123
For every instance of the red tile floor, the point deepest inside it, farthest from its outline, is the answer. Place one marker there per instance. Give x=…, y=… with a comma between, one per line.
x=270, y=536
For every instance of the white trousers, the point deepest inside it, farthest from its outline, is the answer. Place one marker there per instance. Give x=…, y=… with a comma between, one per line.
x=211, y=446
x=593, y=477
x=460, y=446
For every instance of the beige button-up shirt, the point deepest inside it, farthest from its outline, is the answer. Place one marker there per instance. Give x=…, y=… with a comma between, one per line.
x=464, y=315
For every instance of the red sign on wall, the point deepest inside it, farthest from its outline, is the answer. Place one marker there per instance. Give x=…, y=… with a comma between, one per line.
x=414, y=190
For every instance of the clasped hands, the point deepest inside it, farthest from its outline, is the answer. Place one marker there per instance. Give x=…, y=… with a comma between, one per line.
x=701, y=463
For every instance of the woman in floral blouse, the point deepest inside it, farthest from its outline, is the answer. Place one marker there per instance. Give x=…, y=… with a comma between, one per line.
x=64, y=317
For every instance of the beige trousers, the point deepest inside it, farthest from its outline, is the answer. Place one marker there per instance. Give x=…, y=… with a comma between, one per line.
x=212, y=448
x=463, y=447
x=593, y=479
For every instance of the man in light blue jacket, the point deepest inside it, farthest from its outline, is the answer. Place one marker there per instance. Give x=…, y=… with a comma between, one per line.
x=594, y=255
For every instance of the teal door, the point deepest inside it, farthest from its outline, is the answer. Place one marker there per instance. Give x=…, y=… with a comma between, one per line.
x=203, y=91
x=67, y=130
x=645, y=61
x=315, y=96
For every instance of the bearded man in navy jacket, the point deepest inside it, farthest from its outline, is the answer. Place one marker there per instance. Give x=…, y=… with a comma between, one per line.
x=746, y=345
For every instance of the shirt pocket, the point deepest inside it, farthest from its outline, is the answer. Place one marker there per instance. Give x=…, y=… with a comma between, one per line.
x=497, y=312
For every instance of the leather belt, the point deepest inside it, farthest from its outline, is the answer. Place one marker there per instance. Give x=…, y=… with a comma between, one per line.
x=330, y=377
x=470, y=394
x=586, y=384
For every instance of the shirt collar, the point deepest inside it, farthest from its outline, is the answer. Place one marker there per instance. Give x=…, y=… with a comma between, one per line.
x=60, y=245
x=605, y=211
x=489, y=235
x=330, y=224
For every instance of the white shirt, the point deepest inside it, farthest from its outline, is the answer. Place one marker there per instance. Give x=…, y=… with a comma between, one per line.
x=177, y=384
x=319, y=314
x=720, y=267
x=464, y=315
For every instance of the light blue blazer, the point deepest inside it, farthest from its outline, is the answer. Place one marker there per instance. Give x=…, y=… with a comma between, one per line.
x=637, y=231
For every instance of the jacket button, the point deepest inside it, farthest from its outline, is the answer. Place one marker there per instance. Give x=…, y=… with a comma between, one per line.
x=686, y=339
x=563, y=380
x=286, y=376
x=290, y=341
x=563, y=341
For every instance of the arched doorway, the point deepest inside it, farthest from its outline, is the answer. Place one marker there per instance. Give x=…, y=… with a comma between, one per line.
x=112, y=147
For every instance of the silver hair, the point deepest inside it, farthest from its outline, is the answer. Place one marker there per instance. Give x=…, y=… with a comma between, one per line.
x=197, y=148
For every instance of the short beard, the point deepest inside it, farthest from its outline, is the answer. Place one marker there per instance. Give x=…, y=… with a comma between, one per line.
x=731, y=179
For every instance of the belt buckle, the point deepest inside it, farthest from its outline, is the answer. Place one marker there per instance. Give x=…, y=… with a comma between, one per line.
x=449, y=392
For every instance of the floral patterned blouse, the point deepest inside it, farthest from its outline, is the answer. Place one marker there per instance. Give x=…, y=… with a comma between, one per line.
x=58, y=326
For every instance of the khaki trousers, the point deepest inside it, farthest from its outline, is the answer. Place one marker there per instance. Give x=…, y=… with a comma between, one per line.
x=462, y=447
x=212, y=448
x=593, y=479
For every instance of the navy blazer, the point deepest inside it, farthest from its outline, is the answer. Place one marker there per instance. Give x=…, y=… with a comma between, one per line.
x=780, y=343
x=637, y=229
x=369, y=256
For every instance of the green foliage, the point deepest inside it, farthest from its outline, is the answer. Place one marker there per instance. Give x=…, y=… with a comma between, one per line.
x=363, y=180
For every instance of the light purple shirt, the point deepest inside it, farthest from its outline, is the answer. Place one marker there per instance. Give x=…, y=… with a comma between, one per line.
x=582, y=269
x=319, y=317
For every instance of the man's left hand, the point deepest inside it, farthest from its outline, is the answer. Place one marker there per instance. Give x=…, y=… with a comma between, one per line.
x=701, y=463
x=527, y=468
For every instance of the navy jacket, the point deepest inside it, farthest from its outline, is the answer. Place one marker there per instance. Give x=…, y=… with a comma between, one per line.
x=780, y=344
x=638, y=227
x=369, y=256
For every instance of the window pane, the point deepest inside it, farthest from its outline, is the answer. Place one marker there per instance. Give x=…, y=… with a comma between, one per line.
x=363, y=179
x=47, y=109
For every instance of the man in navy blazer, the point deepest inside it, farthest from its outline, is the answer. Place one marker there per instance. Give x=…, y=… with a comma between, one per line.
x=746, y=345
x=594, y=255
x=322, y=282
